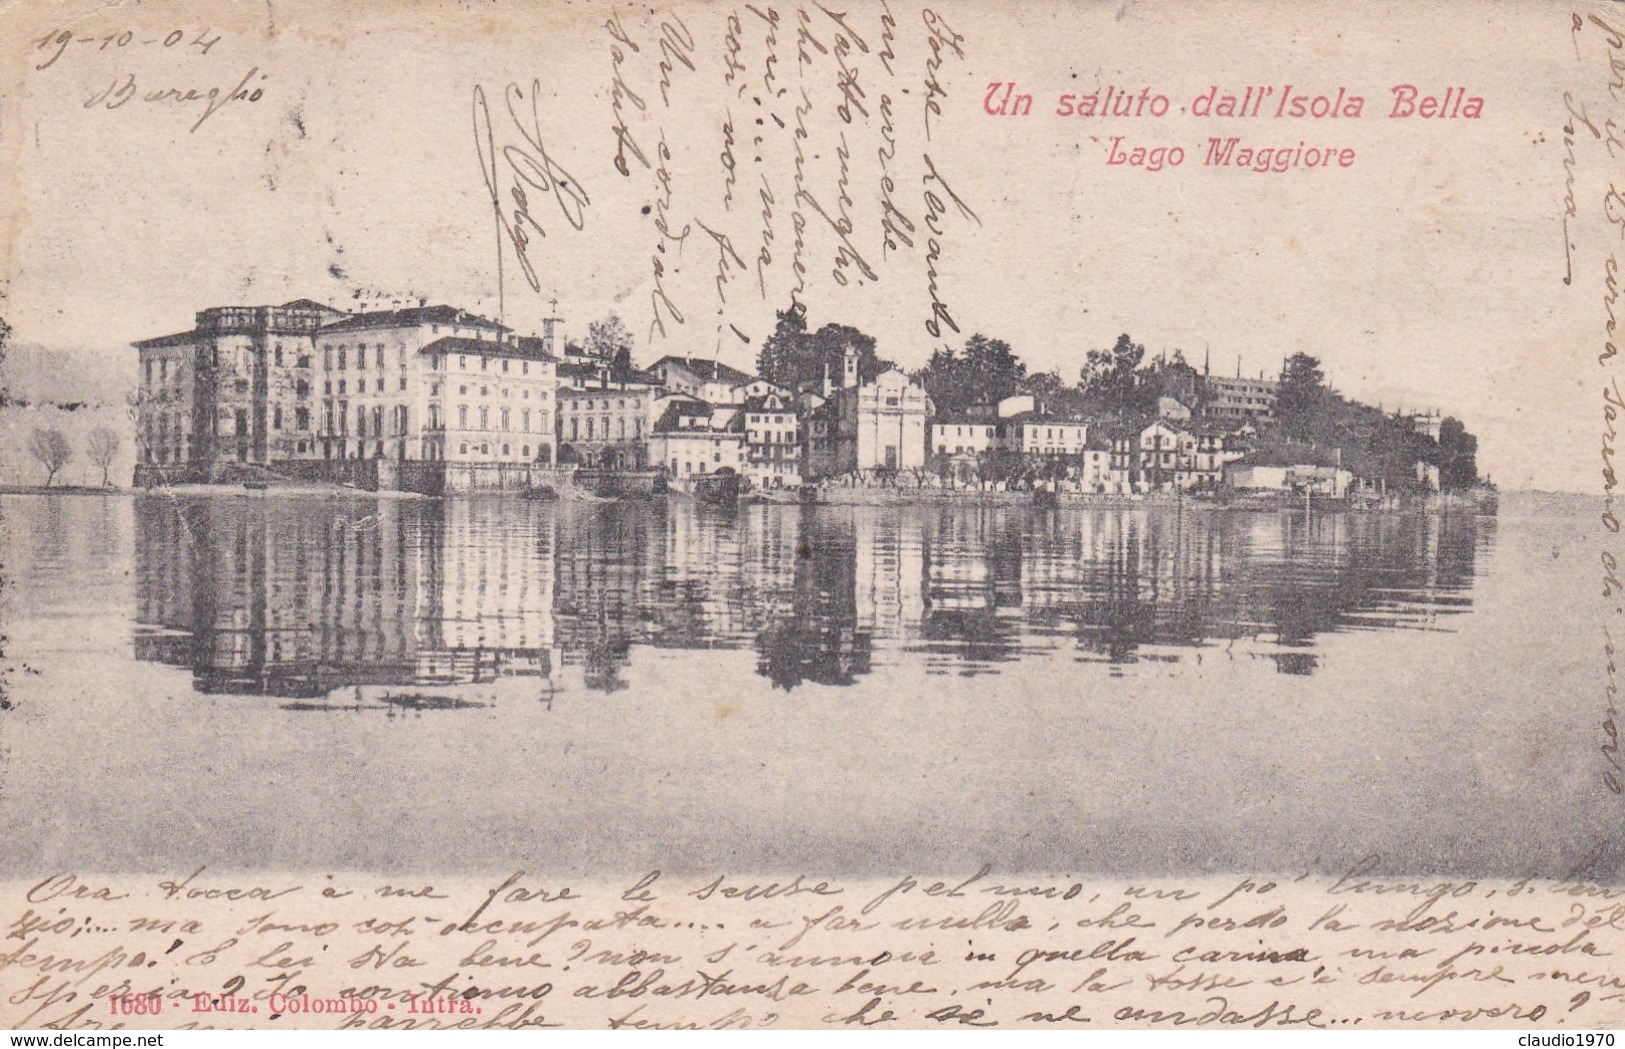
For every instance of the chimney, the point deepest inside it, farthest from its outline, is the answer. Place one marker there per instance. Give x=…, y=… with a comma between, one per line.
x=829, y=387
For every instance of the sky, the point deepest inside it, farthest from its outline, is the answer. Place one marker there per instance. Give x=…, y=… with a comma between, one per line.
x=1429, y=274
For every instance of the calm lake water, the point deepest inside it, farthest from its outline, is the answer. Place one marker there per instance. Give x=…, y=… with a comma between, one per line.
x=469, y=685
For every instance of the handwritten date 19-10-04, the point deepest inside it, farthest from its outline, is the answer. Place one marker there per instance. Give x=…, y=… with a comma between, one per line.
x=56, y=43
x=528, y=167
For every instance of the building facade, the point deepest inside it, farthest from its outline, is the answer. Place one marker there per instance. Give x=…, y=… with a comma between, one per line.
x=1044, y=436
x=695, y=439
x=773, y=444
x=604, y=425
x=1239, y=398
x=964, y=436
x=284, y=389
x=890, y=423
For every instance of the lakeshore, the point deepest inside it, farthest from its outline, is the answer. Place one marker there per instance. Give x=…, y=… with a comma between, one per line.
x=1471, y=502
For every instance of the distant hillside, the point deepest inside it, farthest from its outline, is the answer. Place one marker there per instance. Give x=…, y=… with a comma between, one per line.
x=90, y=377
x=74, y=391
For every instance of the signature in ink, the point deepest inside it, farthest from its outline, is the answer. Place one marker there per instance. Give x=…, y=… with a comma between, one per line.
x=529, y=168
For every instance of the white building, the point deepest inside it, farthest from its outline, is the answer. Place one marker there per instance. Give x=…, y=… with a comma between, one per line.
x=772, y=442
x=282, y=386
x=1037, y=435
x=694, y=438
x=485, y=402
x=964, y=436
x=1164, y=454
x=1327, y=481
x=891, y=423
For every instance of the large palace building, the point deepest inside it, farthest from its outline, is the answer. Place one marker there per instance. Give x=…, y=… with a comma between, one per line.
x=421, y=398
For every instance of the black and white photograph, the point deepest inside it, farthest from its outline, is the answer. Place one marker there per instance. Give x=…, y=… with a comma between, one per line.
x=810, y=516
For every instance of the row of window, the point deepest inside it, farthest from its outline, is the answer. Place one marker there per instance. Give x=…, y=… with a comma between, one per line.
x=343, y=356
x=506, y=419
x=589, y=432
x=485, y=391
x=360, y=386
x=575, y=404
x=485, y=364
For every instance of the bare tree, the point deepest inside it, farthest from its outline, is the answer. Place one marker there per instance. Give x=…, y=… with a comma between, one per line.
x=104, y=445
x=52, y=450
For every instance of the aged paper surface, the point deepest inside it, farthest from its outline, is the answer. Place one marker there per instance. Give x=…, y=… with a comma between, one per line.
x=810, y=515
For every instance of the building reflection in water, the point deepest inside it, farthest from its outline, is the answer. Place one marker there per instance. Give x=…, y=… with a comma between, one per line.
x=411, y=602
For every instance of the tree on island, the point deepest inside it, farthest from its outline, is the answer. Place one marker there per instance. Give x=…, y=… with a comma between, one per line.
x=104, y=445
x=608, y=340
x=798, y=359
x=1113, y=381
x=985, y=372
x=52, y=450
x=1458, y=456
x=1301, y=396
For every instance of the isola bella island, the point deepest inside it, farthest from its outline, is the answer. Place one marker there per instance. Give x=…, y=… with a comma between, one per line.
x=1253, y=101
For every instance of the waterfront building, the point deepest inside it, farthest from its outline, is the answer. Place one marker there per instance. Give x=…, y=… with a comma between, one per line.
x=482, y=401
x=1312, y=475
x=1211, y=448
x=603, y=424
x=773, y=447
x=889, y=420
x=284, y=389
x=235, y=388
x=1125, y=458
x=963, y=435
x=1163, y=450
x=1095, y=463
x=1045, y=436
x=693, y=438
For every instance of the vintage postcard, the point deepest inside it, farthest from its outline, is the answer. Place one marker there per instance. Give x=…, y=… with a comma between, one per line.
x=806, y=514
